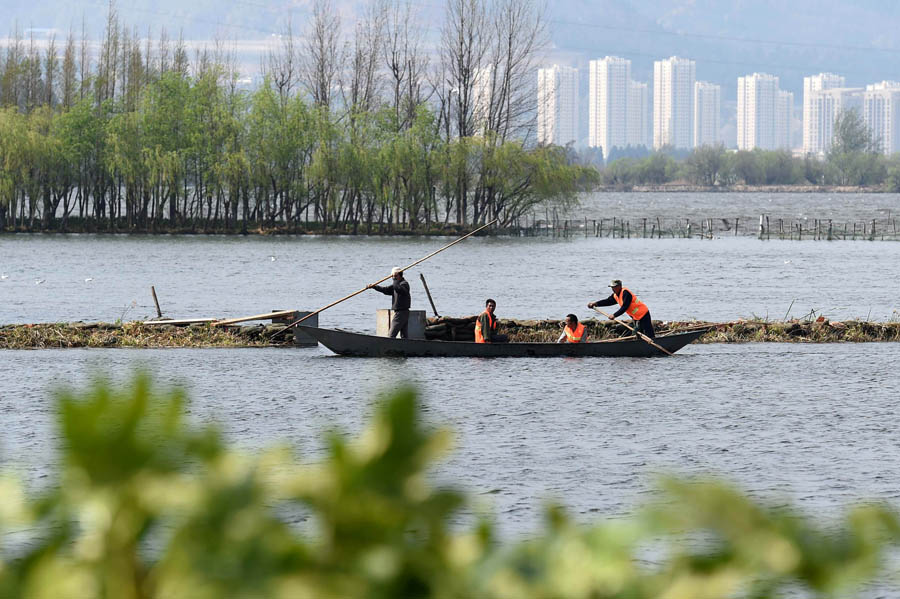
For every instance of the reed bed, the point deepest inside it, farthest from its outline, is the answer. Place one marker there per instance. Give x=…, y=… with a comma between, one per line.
x=139, y=335
x=134, y=334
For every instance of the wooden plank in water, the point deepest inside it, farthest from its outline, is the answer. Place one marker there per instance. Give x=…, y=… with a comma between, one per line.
x=266, y=316
x=181, y=321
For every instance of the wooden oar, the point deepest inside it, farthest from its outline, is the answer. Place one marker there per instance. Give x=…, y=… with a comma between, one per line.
x=346, y=297
x=639, y=334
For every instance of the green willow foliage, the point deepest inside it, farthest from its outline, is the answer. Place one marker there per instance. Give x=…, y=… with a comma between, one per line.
x=194, y=153
x=147, y=505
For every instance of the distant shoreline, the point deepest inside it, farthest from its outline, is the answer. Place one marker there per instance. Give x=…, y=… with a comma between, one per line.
x=690, y=188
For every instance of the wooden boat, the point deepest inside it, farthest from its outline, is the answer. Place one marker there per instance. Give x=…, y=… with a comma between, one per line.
x=346, y=343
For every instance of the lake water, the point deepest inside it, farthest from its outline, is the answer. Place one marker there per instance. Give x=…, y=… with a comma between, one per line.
x=813, y=424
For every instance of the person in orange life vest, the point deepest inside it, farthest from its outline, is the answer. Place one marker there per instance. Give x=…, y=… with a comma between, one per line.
x=486, y=325
x=574, y=331
x=629, y=303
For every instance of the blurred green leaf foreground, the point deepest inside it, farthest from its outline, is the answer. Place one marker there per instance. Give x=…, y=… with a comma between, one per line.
x=148, y=505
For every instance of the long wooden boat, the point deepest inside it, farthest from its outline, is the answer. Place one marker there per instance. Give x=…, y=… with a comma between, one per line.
x=346, y=343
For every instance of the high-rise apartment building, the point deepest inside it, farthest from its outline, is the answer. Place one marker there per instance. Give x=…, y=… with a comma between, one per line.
x=812, y=127
x=784, y=116
x=609, y=80
x=482, y=97
x=557, y=105
x=763, y=113
x=707, y=113
x=881, y=112
x=673, y=102
x=638, y=117
x=824, y=107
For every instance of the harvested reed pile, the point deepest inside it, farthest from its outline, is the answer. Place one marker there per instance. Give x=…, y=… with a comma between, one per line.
x=135, y=334
x=519, y=331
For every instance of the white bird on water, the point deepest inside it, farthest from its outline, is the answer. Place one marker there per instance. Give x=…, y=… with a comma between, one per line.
x=38, y=281
x=272, y=258
x=89, y=279
x=3, y=277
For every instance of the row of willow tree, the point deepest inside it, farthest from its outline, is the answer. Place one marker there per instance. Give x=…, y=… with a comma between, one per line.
x=349, y=131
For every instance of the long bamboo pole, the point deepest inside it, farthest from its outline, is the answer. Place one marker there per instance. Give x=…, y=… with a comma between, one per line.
x=639, y=334
x=405, y=268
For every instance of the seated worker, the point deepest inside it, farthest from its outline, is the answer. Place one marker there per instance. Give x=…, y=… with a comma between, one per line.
x=486, y=325
x=574, y=331
x=629, y=303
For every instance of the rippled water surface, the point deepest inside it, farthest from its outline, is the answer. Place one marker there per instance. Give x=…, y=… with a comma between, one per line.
x=65, y=278
x=815, y=424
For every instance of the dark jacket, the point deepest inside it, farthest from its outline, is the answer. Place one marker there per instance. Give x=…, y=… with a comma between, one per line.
x=400, y=292
x=611, y=301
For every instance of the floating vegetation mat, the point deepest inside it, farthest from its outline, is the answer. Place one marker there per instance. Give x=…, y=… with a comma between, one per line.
x=136, y=334
x=139, y=335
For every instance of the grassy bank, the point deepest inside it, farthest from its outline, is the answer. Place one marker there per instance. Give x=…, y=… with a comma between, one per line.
x=138, y=335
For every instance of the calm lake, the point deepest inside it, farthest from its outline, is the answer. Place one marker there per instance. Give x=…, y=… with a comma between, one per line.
x=812, y=424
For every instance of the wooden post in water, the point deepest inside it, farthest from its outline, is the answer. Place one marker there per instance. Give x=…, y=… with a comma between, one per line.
x=644, y=234
x=156, y=301
x=768, y=228
x=829, y=230
x=659, y=227
x=760, y=226
x=736, y=221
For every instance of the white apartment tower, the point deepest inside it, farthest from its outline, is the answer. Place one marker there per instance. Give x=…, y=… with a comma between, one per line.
x=812, y=127
x=673, y=102
x=824, y=107
x=609, y=80
x=707, y=113
x=557, y=105
x=881, y=112
x=784, y=116
x=763, y=113
x=482, y=98
x=638, y=117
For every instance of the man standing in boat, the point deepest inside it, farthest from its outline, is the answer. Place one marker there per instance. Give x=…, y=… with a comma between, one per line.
x=486, y=325
x=628, y=302
x=574, y=331
x=399, y=290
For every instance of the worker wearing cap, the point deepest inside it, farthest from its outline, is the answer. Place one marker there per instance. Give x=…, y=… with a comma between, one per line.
x=628, y=303
x=399, y=289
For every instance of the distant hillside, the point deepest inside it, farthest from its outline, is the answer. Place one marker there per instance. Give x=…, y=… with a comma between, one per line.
x=727, y=38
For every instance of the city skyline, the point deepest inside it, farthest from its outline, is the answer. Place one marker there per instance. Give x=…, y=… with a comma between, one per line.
x=765, y=116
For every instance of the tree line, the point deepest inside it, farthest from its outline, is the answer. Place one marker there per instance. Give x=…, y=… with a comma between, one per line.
x=854, y=159
x=360, y=131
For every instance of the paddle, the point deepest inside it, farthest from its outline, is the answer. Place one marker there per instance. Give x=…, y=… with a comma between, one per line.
x=640, y=334
x=420, y=260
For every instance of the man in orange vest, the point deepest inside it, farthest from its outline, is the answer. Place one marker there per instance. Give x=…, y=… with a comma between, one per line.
x=486, y=325
x=628, y=302
x=574, y=331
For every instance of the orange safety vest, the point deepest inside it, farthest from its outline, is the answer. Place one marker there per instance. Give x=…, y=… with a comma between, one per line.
x=576, y=335
x=479, y=338
x=636, y=310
